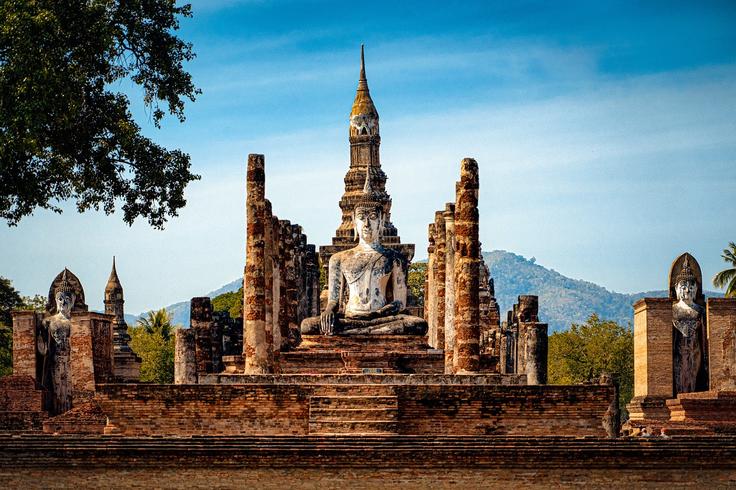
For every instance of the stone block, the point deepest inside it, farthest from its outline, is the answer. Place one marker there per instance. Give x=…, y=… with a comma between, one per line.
x=721, y=321
x=24, y=343
x=653, y=374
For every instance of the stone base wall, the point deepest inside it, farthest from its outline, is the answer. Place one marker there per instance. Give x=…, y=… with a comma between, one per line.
x=284, y=409
x=21, y=404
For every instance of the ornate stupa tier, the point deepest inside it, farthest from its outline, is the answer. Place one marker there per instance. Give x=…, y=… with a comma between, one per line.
x=365, y=142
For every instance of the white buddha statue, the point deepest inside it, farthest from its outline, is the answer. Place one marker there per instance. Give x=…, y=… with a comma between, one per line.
x=53, y=343
x=688, y=335
x=372, y=276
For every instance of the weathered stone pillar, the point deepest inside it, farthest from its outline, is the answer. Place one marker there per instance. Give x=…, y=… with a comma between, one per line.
x=285, y=241
x=535, y=352
x=268, y=264
x=503, y=350
x=467, y=270
x=313, y=281
x=441, y=271
x=185, y=362
x=449, y=216
x=200, y=320
x=217, y=349
x=430, y=299
x=292, y=289
x=257, y=351
x=302, y=277
x=276, y=280
x=653, y=376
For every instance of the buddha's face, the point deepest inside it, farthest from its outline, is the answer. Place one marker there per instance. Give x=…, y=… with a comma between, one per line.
x=686, y=290
x=64, y=303
x=368, y=224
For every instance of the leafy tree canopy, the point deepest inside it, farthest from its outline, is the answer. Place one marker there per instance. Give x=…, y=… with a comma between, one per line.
x=65, y=133
x=10, y=300
x=417, y=275
x=153, y=340
x=231, y=302
x=586, y=351
x=727, y=278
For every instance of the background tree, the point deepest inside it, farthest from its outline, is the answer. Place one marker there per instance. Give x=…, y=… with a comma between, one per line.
x=231, y=302
x=10, y=299
x=727, y=278
x=417, y=275
x=153, y=340
x=64, y=133
x=585, y=351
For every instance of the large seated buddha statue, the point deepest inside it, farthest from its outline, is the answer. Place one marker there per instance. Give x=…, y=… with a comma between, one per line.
x=373, y=279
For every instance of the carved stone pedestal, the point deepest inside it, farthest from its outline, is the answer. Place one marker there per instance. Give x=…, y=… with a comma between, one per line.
x=648, y=408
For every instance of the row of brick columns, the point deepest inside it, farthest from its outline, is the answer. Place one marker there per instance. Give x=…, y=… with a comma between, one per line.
x=523, y=341
x=280, y=289
x=452, y=287
x=281, y=280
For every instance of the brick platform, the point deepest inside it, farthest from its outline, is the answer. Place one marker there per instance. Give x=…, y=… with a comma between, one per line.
x=366, y=462
x=429, y=405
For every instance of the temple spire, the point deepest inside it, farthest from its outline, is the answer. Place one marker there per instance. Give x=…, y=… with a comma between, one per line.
x=362, y=67
x=113, y=282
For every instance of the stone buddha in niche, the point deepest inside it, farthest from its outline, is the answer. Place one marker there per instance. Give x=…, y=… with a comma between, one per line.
x=53, y=344
x=688, y=334
x=373, y=279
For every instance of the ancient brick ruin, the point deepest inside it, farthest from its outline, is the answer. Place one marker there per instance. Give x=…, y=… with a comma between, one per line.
x=684, y=358
x=355, y=359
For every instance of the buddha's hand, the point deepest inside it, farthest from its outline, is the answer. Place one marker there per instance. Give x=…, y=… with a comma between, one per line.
x=391, y=308
x=327, y=319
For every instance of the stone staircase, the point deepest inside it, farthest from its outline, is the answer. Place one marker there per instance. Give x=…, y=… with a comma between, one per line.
x=357, y=409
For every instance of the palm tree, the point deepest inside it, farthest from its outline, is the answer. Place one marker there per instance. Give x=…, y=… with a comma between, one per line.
x=727, y=278
x=157, y=321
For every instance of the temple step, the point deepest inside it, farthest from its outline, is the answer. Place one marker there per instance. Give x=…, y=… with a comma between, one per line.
x=353, y=414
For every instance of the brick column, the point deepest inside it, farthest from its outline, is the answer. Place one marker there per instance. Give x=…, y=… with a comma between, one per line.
x=467, y=270
x=257, y=351
x=24, y=343
x=292, y=289
x=535, y=352
x=216, y=333
x=276, y=280
x=313, y=281
x=185, y=361
x=82, y=359
x=268, y=264
x=430, y=298
x=200, y=321
x=721, y=321
x=449, y=216
x=285, y=241
x=441, y=271
x=653, y=370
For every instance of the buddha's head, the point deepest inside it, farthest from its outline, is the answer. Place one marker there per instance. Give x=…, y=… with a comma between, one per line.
x=368, y=222
x=686, y=286
x=65, y=297
x=369, y=211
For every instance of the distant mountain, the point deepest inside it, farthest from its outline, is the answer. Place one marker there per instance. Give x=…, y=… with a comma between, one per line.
x=562, y=300
x=180, y=311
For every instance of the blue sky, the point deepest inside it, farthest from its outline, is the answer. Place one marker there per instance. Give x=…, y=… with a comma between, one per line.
x=605, y=134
